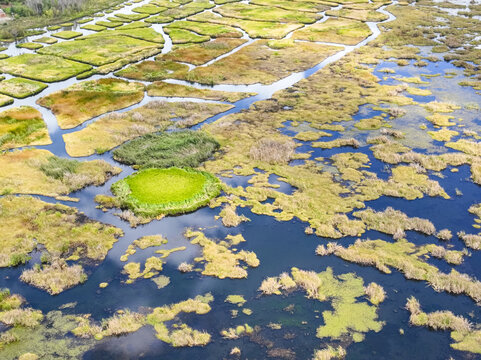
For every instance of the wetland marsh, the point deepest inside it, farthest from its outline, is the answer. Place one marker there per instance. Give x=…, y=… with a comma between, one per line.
x=254, y=179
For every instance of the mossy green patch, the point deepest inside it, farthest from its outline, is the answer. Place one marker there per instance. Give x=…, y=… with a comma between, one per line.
x=21, y=88
x=85, y=100
x=22, y=126
x=155, y=192
x=42, y=67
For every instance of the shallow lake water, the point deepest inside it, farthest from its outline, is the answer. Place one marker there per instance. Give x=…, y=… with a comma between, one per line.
x=278, y=245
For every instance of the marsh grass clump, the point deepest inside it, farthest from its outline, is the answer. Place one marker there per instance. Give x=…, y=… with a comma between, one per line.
x=180, y=149
x=220, y=260
x=230, y=218
x=185, y=267
x=161, y=281
x=466, y=337
x=329, y=353
x=394, y=222
x=154, y=192
x=397, y=134
x=472, y=241
x=375, y=292
x=272, y=151
x=444, y=234
x=236, y=300
x=186, y=336
x=122, y=323
x=56, y=277
x=337, y=143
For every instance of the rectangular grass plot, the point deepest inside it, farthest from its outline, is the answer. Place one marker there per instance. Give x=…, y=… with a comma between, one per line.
x=67, y=35
x=98, y=50
x=42, y=67
x=21, y=88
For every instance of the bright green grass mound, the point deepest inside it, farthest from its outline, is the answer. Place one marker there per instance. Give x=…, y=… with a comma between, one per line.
x=180, y=148
x=155, y=192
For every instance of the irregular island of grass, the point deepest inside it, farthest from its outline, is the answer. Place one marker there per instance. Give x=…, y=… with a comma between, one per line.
x=181, y=149
x=154, y=193
x=350, y=316
x=114, y=129
x=160, y=318
x=466, y=336
x=85, y=100
x=220, y=260
x=61, y=232
x=22, y=126
x=407, y=258
x=35, y=171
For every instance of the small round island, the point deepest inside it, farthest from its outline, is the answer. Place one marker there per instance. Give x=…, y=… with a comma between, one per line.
x=154, y=192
